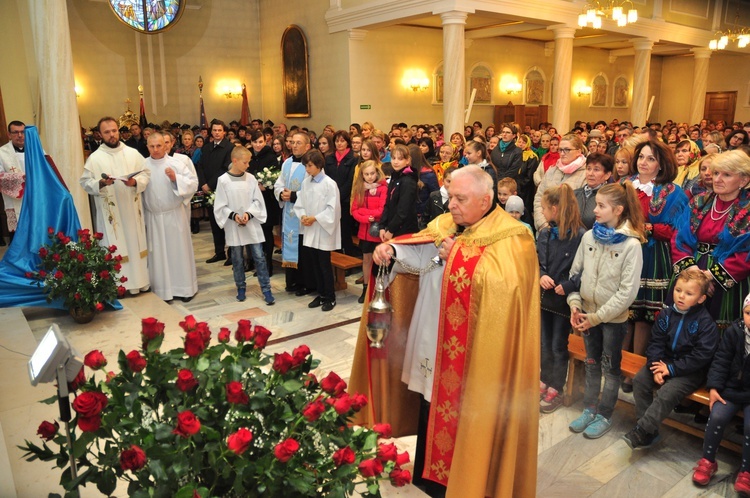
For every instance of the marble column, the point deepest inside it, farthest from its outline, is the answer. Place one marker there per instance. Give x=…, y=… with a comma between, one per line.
x=454, y=71
x=561, y=90
x=59, y=124
x=700, y=83
x=641, y=72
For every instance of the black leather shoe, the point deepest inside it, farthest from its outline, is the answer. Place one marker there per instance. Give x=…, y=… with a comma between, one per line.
x=315, y=302
x=228, y=262
x=185, y=299
x=216, y=258
x=328, y=305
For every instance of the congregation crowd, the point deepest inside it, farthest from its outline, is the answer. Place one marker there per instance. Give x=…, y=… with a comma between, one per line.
x=643, y=234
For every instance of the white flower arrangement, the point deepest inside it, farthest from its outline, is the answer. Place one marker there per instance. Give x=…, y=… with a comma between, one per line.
x=267, y=177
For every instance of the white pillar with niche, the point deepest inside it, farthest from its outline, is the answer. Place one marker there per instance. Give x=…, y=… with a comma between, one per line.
x=59, y=128
x=701, y=57
x=454, y=71
x=564, y=35
x=641, y=72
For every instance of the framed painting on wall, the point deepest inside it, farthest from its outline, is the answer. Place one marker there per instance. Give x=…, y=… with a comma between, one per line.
x=296, y=79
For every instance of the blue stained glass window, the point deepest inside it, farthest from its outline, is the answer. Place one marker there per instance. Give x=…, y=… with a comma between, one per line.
x=148, y=16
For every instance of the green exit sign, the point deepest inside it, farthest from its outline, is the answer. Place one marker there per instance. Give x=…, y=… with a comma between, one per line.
x=365, y=106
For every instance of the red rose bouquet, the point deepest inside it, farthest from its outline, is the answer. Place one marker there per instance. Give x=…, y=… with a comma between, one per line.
x=218, y=418
x=82, y=273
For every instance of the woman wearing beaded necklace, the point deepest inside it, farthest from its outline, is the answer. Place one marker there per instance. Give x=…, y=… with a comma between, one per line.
x=663, y=203
x=715, y=236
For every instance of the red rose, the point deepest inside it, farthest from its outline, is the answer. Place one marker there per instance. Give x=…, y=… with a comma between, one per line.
x=285, y=450
x=118, y=258
x=239, y=442
x=187, y=424
x=112, y=248
x=358, y=401
x=123, y=279
x=387, y=452
x=261, y=336
x=77, y=382
x=117, y=267
x=133, y=459
x=313, y=410
x=342, y=404
x=80, y=257
x=110, y=375
x=343, y=456
x=282, y=362
x=50, y=230
x=224, y=335
x=59, y=275
x=88, y=406
x=236, y=393
x=371, y=467
x=99, y=307
x=194, y=344
x=95, y=360
x=104, y=274
x=42, y=273
x=136, y=362
x=185, y=380
x=400, y=477
x=402, y=459
x=77, y=296
x=98, y=235
x=48, y=430
x=383, y=429
x=73, y=254
x=120, y=291
x=56, y=258
x=60, y=235
x=189, y=323
x=43, y=252
x=28, y=274
x=333, y=384
x=87, y=276
x=244, y=331
x=204, y=331
x=151, y=328
x=108, y=257
x=300, y=354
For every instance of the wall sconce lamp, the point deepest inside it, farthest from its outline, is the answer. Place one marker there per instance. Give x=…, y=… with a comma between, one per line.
x=513, y=88
x=415, y=81
x=231, y=93
x=78, y=90
x=582, y=90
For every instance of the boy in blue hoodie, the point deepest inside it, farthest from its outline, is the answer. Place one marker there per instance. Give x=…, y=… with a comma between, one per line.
x=683, y=341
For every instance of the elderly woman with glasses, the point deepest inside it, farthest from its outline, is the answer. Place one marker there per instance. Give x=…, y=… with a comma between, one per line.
x=570, y=169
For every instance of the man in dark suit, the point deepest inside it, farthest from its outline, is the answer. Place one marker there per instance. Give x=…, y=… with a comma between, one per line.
x=214, y=162
x=137, y=141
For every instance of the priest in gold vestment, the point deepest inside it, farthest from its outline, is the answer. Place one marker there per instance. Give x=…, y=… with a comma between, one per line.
x=481, y=438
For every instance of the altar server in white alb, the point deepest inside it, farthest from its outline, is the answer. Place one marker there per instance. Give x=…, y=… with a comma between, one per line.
x=119, y=214
x=240, y=210
x=319, y=212
x=171, y=262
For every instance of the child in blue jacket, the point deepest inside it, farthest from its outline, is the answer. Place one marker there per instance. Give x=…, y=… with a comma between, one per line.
x=683, y=341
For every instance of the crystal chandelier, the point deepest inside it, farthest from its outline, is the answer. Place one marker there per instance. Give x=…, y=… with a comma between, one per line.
x=623, y=12
x=722, y=38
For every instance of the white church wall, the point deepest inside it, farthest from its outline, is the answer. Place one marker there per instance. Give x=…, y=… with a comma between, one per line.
x=17, y=61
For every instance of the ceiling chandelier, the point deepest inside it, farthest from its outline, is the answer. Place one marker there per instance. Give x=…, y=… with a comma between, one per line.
x=722, y=38
x=623, y=12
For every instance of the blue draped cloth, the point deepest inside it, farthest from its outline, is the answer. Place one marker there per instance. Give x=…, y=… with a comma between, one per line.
x=46, y=203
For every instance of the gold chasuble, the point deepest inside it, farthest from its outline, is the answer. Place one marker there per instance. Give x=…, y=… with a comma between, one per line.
x=484, y=414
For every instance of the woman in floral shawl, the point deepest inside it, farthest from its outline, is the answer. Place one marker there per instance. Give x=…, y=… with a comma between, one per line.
x=715, y=236
x=687, y=154
x=663, y=204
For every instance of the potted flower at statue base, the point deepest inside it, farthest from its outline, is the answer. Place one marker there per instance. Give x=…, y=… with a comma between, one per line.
x=82, y=273
x=218, y=420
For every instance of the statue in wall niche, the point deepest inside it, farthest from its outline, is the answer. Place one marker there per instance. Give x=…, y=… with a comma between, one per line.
x=534, y=91
x=599, y=94
x=621, y=93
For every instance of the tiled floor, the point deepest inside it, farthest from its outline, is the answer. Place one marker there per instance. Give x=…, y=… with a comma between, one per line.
x=569, y=465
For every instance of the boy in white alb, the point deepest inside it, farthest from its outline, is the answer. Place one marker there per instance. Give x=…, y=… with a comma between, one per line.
x=319, y=212
x=239, y=210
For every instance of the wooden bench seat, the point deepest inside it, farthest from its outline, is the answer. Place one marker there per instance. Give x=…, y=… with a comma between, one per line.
x=630, y=365
x=340, y=262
